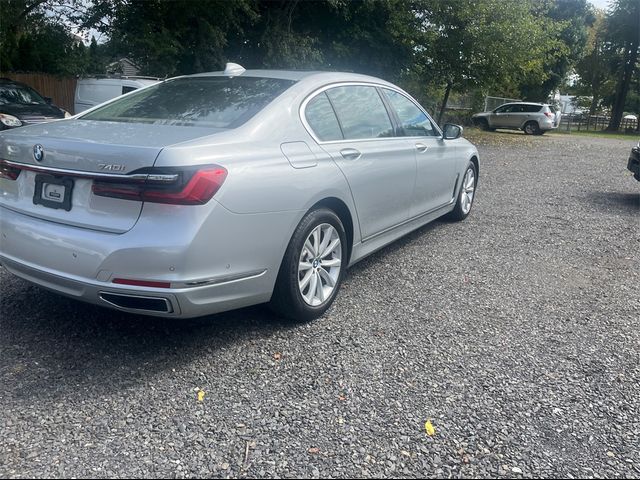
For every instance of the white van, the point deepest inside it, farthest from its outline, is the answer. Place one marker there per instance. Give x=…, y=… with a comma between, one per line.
x=92, y=91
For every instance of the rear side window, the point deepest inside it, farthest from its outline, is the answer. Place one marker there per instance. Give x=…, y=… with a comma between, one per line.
x=322, y=119
x=413, y=120
x=215, y=102
x=532, y=108
x=361, y=112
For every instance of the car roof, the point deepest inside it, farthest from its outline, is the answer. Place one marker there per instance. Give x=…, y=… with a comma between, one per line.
x=526, y=103
x=316, y=76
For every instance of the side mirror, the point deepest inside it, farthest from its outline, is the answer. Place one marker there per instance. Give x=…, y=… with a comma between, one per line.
x=451, y=131
x=49, y=100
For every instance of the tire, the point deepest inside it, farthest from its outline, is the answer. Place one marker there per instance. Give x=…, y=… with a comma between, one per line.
x=462, y=208
x=531, y=128
x=289, y=299
x=483, y=124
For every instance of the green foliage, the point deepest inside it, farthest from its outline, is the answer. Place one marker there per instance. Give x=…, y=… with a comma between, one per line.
x=35, y=38
x=173, y=36
x=623, y=34
x=565, y=22
x=483, y=44
x=433, y=48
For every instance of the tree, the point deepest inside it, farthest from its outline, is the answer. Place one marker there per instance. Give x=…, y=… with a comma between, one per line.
x=480, y=44
x=180, y=36
x=570, y=19
x=35, y=36
x=624, y=34
x=594, y=68
x=171, y=37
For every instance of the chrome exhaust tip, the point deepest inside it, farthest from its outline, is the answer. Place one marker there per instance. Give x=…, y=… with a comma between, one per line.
x=137, y=303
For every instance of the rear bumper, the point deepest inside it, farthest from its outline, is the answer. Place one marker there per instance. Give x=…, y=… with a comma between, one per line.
x=213, y=259
x=547, y=124
x=633, y=165
x=183, y=303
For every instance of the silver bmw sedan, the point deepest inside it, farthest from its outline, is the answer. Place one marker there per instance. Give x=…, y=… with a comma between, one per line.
x=215, y=191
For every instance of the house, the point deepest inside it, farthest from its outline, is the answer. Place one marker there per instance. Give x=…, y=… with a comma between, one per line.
x=123, y=66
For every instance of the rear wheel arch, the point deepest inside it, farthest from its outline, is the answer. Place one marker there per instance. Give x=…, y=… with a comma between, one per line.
x=342, y=211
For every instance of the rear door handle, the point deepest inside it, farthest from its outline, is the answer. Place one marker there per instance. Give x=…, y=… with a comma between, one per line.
x=350, y=154
x=421, y=147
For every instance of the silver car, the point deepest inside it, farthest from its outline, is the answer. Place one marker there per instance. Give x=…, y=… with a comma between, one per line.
x=211, y=192
x=531, y=118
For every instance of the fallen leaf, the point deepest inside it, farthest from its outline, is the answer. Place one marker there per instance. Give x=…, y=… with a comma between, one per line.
x=429, y=428
x=314, y=450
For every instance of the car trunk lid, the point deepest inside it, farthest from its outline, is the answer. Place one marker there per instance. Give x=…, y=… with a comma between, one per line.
x=74, y=153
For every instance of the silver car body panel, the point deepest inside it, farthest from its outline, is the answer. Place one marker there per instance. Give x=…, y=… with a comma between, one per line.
x=225, y=254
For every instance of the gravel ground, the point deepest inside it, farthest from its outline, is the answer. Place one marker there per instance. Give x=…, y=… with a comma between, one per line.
x=516, y=332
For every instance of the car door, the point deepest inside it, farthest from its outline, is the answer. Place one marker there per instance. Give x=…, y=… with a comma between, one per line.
x=379, y=167
x=501, y=117
x=436, y=159
x=517, y=116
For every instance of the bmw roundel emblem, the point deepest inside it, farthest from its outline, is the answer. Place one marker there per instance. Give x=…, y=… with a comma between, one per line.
x=38, y=152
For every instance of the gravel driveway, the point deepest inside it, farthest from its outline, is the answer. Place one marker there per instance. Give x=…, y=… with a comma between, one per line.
x=517, y=332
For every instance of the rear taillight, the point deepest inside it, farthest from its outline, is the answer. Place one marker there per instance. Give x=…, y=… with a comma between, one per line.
x=191, y=186
x=549, y=114
x=8, y=172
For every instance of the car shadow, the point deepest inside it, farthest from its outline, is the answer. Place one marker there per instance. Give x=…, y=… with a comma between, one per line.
x=55, y=345
x=617, y=202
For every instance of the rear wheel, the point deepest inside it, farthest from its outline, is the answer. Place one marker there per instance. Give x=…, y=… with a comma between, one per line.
x=312, y=268
x=531, y=128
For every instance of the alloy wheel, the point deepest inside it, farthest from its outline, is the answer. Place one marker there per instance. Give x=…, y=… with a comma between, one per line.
x=320, y=264
x=468, y=189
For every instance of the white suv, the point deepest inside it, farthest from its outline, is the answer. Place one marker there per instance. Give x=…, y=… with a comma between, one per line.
x=93, y=91
x=531, y=118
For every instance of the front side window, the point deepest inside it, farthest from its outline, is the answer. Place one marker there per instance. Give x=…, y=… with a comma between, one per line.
x=322, y=119
x=215, y=102
x=504, y=109
x=361, y=112
x=413, y=121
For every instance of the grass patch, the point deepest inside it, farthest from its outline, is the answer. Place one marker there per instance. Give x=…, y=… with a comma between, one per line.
x=518, y=138
x=599, y=134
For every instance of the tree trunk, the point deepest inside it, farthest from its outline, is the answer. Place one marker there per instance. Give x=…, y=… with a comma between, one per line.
x=594, y=105
x=444, y=102
x=630, y=58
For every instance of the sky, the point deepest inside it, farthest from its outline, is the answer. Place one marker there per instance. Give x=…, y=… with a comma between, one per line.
x=603, y=4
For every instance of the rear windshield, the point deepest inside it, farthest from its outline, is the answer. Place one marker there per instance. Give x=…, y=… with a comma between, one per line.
x=216, y=102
